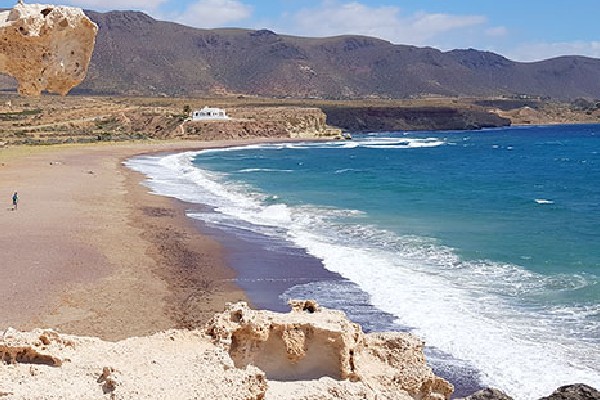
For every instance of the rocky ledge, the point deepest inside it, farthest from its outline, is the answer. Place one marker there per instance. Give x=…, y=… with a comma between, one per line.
x=310, y=353
x=46, y=47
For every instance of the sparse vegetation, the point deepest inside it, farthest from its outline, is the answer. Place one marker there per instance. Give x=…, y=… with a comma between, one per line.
x=77, y=119
x=18, y=115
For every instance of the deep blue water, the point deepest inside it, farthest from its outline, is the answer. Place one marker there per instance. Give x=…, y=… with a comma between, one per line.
x=486, y=244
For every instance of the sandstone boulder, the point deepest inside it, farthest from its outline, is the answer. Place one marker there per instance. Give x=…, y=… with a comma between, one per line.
x=46, y=47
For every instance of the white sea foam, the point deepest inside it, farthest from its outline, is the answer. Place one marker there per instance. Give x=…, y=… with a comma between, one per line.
x=543, y=201
x=472, y=310
x=368, y=142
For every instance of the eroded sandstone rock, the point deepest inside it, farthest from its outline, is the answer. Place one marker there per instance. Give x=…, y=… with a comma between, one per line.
x=168, y=365
x=33, y=348
x=46, y=47
x=312, y=343
x=310, y=353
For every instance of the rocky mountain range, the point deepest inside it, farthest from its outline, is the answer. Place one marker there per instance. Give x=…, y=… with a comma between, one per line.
x=138, y=55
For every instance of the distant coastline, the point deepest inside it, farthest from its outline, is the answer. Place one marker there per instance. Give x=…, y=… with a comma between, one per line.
x=49, y=121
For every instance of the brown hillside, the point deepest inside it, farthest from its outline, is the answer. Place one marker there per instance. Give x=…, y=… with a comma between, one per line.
x=138, y=55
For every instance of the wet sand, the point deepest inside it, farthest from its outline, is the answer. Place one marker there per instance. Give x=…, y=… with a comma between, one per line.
x=90, y=252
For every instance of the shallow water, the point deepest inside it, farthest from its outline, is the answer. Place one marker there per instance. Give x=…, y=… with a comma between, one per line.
x=485, y=243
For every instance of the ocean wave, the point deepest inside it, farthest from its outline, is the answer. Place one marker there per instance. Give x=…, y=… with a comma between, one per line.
x=264, y=170
x=367, y=142
x=473, y=310
x=345, y=170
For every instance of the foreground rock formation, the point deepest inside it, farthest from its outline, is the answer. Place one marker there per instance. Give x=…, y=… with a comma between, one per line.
x=310, y=353
x=312, y=343
x=46, y=47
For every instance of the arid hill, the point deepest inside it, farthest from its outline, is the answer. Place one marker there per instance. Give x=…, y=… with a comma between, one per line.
x=138, y=55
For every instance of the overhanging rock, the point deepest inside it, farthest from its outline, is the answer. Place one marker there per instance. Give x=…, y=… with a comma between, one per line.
x=46, y=47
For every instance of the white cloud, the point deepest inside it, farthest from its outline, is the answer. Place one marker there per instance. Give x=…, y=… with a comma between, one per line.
x=543, y=51
x=333, y=17
x=213, y=13
x=497, y=31
x=117, y=4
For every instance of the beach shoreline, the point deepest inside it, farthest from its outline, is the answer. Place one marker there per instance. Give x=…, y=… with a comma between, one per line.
x=91, y=251
x=149, y=267
x=271, y=270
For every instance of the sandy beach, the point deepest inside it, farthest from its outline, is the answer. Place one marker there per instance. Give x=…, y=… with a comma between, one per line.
x=90, y=252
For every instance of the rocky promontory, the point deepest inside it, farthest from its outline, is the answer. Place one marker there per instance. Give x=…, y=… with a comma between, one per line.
x=401, y=118
x=271, y=122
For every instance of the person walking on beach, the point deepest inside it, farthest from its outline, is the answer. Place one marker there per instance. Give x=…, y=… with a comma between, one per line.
x=15, y=200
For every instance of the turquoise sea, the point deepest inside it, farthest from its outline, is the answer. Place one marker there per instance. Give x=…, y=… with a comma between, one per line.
x=486, y=244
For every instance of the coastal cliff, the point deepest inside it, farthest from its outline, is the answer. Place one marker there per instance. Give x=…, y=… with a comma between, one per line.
x=310, y=353
x=381, y=118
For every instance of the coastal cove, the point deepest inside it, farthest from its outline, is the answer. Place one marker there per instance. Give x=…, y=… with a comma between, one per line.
x=352, y=203
x=111, y=233
x=461, y=272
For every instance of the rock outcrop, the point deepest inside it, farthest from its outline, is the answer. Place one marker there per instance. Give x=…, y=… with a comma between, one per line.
x=488, y=394
x=313, y=343
x=578, y=391
x=46, y=47
x=392, y=118
x=310, y=353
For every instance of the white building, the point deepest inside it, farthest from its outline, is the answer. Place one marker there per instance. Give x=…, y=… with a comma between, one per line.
x=210, y=114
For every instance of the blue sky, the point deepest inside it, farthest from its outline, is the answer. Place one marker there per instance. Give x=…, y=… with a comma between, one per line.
x=524, y=30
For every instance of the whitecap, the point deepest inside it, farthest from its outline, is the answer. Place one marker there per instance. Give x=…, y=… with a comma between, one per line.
x=344, y=170
x=264, y=170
